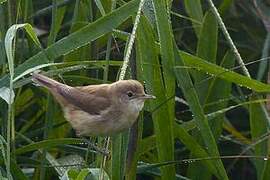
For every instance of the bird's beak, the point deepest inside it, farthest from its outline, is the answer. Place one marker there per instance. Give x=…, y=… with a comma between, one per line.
x=148, y=96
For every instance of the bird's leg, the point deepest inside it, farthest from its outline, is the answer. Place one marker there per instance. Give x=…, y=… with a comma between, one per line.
x=91, y=145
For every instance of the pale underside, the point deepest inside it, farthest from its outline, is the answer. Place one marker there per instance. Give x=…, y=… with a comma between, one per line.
x=111, y=121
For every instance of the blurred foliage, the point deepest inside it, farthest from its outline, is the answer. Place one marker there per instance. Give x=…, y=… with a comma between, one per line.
x=210, y=120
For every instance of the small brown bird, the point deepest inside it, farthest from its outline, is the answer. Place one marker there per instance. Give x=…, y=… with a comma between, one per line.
x=104, y=109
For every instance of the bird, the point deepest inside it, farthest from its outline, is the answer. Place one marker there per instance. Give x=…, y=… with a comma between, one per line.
x=97, y=110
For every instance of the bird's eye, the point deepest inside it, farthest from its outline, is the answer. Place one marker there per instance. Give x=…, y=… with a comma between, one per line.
x=130, y=94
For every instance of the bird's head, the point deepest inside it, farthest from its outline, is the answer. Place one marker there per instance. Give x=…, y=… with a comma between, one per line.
x=130, y=93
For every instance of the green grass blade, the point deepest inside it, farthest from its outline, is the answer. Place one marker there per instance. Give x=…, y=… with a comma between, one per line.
x=225, y=6
x=79, y=20
x=206, y=49
x=16, y=171
x=152, y=75
x=219, y=89
x=165, y=35
x=194, y=10
x=10, y=41
x=184, y=81
x=57, y=19
x=258, y=127
x=220, y=72
x=47, y=144
x=195, y=148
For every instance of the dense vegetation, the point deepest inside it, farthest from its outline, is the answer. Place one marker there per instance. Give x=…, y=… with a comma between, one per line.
x=206, y=62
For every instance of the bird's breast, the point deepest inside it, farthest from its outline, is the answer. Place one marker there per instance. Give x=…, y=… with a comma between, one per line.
x=109, y=122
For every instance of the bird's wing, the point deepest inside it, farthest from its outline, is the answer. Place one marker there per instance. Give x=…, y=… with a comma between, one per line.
x=90, y=102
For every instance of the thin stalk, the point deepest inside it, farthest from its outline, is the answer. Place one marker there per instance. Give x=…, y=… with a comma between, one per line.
x=229, y=39
x=107, y=143
x=131, y=41
x=9, y=129
x=10, y=122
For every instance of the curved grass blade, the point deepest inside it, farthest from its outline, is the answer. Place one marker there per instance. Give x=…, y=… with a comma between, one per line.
x=48, y=144
x=220, y=72
x=184, y=81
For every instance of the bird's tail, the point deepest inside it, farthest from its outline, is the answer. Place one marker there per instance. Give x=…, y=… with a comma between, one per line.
x=44, y=80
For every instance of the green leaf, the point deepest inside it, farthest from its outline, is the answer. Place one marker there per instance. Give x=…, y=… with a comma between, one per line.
x=79, y=20
x=225, y=6
x=16, y=171
x=259, y=126
x=10, y=42
x=184, y=81
x=206, y=49
x=165, y=35
x=47, y=144
x=82, y=175
x=194, y=10
x=219, y=89
x=220, y=72
x=95, y=174
x=153, y=78
x=194, y=147
x=71, y=174
x=57, y=19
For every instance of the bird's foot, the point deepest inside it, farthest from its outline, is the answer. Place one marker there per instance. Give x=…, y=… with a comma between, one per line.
x=103, y=151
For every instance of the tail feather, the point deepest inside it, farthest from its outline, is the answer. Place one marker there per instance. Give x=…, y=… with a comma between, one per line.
x=44, y=81
x=52, y=85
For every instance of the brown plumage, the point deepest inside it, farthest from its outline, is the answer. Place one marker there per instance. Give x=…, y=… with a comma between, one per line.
x=103, y=109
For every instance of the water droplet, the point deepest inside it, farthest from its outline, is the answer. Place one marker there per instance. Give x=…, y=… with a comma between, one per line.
x=265, y=159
